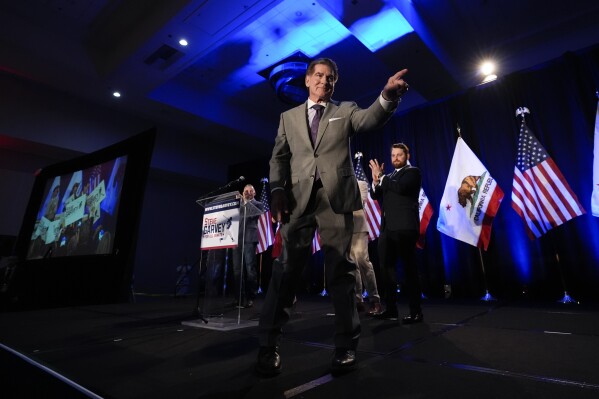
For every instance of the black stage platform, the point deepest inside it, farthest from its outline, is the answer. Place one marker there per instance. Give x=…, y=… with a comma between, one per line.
x=465, y=349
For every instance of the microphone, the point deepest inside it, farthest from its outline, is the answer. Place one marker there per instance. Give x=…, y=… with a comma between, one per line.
x=236, y=181
x=221, y=189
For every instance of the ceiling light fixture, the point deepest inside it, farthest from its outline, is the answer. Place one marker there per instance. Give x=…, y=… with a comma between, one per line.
x=487, y=69
x=183, y=42
x=489, y=78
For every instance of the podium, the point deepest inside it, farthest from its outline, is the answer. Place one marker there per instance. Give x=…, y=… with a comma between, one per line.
x=220, y=231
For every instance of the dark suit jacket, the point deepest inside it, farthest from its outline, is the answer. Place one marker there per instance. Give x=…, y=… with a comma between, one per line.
x=399, y=195
x=294, y=161
x=251, y=224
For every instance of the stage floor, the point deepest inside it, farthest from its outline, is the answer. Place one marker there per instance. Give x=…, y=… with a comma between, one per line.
x=147, y=349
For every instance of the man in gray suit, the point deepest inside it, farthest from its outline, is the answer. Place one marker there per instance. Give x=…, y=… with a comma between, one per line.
x=313, y=185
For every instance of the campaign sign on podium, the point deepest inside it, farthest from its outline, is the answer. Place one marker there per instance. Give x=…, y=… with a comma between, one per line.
x=220, y=226
x=220, y=231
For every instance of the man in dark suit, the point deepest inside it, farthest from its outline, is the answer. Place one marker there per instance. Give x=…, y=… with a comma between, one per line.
x=400, y=228
x=246, y=283
x=313, y=184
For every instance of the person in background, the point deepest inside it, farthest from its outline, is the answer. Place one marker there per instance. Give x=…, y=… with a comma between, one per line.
x=246, y=287
x=400, y=228
x=359, y=255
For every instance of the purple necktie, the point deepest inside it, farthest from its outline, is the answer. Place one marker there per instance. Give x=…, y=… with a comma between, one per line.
x=315, y=122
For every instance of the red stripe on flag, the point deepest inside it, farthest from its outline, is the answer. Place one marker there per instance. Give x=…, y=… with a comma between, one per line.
x=426, y=218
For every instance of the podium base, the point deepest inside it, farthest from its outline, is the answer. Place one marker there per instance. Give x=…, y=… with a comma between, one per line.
x=221, y=323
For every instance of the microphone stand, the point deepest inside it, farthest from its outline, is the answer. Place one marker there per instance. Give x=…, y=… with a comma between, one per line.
x=221, y=189
x=197, y=311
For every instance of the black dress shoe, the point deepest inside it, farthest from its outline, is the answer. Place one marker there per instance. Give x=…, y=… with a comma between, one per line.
x=413, y=318
x=344, y=360
x=375, y=308
x=269, y=361
x=387, y=315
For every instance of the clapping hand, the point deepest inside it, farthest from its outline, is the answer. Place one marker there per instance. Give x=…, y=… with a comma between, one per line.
x=377, y=170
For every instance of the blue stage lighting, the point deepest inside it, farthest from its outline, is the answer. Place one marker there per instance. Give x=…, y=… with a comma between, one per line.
x=292, y=26
x=381, y=29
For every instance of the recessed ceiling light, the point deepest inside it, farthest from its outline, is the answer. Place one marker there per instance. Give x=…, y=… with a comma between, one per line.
x=487, y=68
x=183, y=42
x=116, y=94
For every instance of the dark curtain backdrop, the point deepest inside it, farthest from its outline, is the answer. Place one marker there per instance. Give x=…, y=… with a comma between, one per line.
x=561, y=98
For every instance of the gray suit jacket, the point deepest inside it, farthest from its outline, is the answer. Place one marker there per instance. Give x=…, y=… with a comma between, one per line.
x=294, y=161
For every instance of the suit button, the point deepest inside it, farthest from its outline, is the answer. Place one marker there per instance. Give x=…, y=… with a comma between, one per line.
x=315, y=155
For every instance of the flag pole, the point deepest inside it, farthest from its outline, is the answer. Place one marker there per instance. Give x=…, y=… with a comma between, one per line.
x=487, y=297
x=260, y=275
x=566, y=298
x=324, y=282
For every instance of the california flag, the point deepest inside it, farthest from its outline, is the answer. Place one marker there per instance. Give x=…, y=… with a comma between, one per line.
x=470, y=200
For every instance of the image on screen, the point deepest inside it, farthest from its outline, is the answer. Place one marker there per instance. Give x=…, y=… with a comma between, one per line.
x=78, y=212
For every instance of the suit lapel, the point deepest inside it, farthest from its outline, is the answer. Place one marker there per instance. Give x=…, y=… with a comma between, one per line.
x=300, y=117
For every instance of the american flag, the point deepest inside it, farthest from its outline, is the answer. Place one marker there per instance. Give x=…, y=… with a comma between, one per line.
x=316, y=242
x=265, y=234
x=372, y=210
x=278, y=243
x=540, y=194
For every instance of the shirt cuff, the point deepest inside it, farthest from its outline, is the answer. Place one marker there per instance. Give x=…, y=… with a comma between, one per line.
x=388, y=105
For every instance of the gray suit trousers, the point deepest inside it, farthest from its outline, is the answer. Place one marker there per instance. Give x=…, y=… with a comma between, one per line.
x=335, y=233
